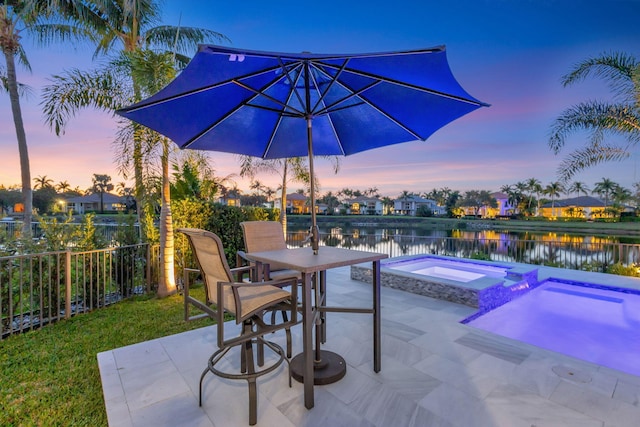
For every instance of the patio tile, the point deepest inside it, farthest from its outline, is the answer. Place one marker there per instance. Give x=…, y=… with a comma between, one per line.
x=436, y=372
x=590, y=402
x=182, y=407
x=510, y=406
x=134, y=356
x=152, y=384
x=328, y=411
x=627, y=392
x=494, y=347
x=455, y=373
x=383, y=406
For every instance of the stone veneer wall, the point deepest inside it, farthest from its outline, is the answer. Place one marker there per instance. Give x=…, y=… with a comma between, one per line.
x=433, y=289
x=485, y=299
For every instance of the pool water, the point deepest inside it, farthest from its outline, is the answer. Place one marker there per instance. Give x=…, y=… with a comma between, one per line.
x=595, y=324
x=449, y=273
x=462, y=271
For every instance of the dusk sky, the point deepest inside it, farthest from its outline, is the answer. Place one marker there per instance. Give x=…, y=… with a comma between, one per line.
x=508, y=53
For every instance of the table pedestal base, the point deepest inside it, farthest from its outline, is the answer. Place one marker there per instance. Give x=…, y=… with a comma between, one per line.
x=330, y=369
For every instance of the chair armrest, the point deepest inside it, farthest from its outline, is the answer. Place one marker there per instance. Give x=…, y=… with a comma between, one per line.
x=279, y=284
x=242, y=259
x=239, y=272
x=188, y=299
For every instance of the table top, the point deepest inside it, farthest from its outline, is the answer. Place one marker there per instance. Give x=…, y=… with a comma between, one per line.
x=304, y=260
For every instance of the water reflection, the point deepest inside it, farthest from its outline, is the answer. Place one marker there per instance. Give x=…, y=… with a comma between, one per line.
x=584, y=252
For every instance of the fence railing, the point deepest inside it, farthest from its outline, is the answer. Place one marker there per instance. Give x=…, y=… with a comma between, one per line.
x=108, y=231
x=37, y=289
x=571, y=255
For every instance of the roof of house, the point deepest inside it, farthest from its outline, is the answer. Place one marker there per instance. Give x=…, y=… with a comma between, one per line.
x=296, y=196
x=95, y=198
x=362, y=199
x=416, y=199
x=582, y=201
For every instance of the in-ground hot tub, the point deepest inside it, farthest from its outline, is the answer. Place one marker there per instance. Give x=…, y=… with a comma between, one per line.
x=481, y=284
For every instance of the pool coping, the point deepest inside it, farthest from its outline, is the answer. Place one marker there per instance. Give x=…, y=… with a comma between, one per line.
x=484, y=293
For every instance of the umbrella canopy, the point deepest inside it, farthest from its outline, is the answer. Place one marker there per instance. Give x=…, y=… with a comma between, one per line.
x=278, y=105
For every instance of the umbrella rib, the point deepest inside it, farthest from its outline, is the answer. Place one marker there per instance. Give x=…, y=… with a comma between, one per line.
x=246, y=103
x=292, y=83
x=261, y=93
x=330, y=85
x=407, y=85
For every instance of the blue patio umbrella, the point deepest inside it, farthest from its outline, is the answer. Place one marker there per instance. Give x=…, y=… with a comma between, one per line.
x=279, y=105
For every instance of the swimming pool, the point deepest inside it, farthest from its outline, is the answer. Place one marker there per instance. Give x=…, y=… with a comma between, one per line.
x=459, y=270
x=595, y=323
x=475, y=283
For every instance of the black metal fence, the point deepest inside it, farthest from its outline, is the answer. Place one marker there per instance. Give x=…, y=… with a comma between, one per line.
x=37, y=289
x=594, y=256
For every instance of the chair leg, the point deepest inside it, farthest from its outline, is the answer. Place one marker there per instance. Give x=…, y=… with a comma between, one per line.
x=288, y=334
x=253, y=401
x=253, y=390
x=260, y=353
x=204, y=373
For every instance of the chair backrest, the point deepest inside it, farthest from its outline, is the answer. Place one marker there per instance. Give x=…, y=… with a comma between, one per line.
x=209, y=254
x=262, y=236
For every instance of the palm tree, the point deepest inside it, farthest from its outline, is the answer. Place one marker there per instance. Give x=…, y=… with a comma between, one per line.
x=101, y=184
x=514, y=199
x=63, y=186
x=290, y=170
x=152, y=71
x=621, y=196
x=404, y=195
x=604, y=189
x=387, y=203
x=15, y=18
x=534, y=186
x=42, y=182
x=553, y=190
x=193, y=177
x=620, y=117
x=578, y=188
x=133, y=25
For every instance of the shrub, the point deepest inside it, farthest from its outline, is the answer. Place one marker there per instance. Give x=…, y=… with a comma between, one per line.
x=481, y=256
x=617, y=268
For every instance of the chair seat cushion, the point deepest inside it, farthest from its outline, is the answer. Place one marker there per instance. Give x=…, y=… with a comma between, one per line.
x=255, y=298
x=284, y=273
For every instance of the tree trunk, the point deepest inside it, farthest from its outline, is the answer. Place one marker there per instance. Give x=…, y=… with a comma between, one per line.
x=25, y=170
x=167, y=285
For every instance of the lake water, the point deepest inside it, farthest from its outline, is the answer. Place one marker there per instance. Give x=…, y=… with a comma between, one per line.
x=584, y=252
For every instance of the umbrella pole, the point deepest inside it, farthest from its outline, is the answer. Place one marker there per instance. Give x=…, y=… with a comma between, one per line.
x=315, y=232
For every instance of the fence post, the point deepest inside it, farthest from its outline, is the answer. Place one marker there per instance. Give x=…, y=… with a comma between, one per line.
x=148, y=267
x=67, y=284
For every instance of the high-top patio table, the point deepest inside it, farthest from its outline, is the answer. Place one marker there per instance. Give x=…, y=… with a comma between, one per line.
x=324, y=366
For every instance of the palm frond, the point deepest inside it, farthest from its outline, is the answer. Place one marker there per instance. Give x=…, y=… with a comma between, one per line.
x=24, y=90
x=122, y=147
x=618, y=69
x=47, y=33
x=74, y=90
x=183, y=39
x=596, y=117
x=589, y=156
x=22, y=59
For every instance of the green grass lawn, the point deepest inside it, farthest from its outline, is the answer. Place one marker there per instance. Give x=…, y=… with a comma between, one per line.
x=50, y=377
